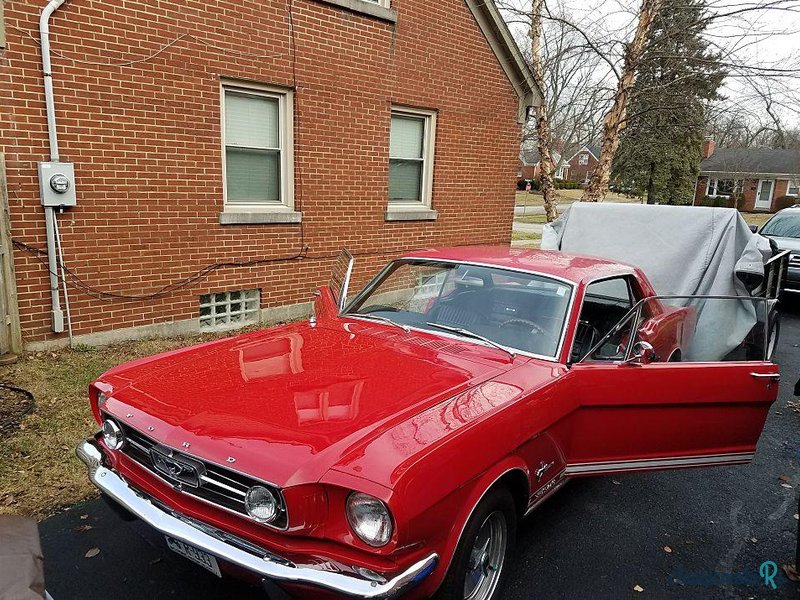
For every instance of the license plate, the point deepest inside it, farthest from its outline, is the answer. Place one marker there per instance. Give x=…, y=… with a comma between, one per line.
x=204, y=559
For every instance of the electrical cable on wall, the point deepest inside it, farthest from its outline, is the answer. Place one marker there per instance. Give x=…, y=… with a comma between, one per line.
x=69, y=278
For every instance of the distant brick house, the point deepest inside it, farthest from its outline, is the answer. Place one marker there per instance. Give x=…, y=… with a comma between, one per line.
x=225, y=151
x=581, y=164
x=757, y=178
x=530, y=165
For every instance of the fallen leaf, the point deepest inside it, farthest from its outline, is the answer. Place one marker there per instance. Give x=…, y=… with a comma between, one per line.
x=92, y=553
x=615, y=482
x=786, y=485
x=791, y=572
x=638, y=588
x=754, y=540
x=667, y=549
x=796, y=516
x=84, y=517
x=9, y=500
x=784, y=478
x=83, y=528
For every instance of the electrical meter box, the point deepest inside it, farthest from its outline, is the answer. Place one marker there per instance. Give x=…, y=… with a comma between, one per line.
x=57, y=184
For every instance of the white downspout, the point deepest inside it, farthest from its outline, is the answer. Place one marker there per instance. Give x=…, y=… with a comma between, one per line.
x=49, y=212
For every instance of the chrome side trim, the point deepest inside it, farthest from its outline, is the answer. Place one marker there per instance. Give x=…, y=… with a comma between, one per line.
x=546, y=491
x=658, y=463
x=264, y=563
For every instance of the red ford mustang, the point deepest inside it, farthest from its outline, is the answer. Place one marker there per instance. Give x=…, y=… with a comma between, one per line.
x=390, y=444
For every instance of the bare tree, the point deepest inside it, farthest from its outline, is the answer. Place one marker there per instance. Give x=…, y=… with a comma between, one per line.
x=614, y=121
x=542, y=121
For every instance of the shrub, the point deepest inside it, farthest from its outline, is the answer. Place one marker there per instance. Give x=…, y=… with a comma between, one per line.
x=567, y=185
x=717, y=202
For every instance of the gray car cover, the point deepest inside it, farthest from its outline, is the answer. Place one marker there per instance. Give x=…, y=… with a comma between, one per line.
x=21, y=562
x=683, y=251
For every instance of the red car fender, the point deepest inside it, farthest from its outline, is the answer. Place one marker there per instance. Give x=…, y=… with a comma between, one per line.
x=464, y=502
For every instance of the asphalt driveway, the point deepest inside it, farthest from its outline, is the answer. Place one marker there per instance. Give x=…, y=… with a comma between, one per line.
x=700, y=533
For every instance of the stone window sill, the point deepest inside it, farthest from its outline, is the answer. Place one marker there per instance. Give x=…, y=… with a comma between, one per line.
x=423, y=213
x=232, y=216
x=366, y=8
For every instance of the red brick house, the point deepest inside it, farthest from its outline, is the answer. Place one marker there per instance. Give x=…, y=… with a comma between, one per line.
x=224, y=152
x=758, y=179
x=581, y=165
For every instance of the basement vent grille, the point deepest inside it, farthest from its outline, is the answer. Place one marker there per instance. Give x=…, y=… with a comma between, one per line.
x=228, y=310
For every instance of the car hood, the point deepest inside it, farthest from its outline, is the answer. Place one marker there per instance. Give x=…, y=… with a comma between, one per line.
x=787, y=243
x=286, y=404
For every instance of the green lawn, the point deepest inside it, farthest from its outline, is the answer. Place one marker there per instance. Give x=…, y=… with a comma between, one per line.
x=568, y=196
x=537, y=219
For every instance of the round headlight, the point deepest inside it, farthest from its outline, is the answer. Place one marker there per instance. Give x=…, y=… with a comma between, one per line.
x=370, y=519
x=261, y=504
x=113, y=435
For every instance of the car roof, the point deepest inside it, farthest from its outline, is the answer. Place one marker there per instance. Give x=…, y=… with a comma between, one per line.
x=572, y=267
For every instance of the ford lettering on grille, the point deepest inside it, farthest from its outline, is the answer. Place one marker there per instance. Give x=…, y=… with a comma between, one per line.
x=177, y=468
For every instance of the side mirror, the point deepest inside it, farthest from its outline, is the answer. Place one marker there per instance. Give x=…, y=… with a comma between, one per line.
x=754, y=228
x=643, y=354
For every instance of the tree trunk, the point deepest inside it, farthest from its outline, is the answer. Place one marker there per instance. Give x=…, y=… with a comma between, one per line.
x=614, y=121
x=542, y=119
x=651, y=184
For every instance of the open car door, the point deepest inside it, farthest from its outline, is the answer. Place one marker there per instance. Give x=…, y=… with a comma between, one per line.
x=639, y=409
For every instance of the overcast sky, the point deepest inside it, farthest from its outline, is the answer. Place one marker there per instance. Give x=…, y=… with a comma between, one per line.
x=769, y=38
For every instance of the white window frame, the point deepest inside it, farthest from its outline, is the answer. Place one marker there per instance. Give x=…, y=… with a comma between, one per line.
x=285, y=99
x=737, y=186
x=428, y=154
x=383, y=3
x=793, y=183
x=583, y=159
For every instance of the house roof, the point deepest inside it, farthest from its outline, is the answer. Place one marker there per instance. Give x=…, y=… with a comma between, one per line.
x=530, y=156
x=501, y=41
x=593, y=150
x=756, y=161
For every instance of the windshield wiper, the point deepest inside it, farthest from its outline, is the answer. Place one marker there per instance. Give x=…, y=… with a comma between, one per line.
x=473, y=335
x=386, y=320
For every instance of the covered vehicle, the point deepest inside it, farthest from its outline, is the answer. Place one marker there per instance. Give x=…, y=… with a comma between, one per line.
x=390, y=444
x=688, y=252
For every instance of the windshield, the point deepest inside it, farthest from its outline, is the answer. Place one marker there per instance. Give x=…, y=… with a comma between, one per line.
x=785, y=224
x=520, y=311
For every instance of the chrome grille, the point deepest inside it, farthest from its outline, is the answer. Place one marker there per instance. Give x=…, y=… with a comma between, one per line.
x=218, y=486
x=794, y=260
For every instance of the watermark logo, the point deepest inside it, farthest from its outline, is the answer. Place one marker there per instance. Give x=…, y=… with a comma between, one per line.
x=764, y=576
x=768, y=570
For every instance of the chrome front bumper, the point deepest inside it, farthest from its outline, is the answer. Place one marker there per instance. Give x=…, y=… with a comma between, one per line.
x=232, y=550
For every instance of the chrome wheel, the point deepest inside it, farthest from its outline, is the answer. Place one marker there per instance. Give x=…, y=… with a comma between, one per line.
x=486, y=558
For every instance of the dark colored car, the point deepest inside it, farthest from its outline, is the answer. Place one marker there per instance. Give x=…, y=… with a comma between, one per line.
x=784, y=229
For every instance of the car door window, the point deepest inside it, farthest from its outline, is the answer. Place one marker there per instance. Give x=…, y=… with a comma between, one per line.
x=605, y=304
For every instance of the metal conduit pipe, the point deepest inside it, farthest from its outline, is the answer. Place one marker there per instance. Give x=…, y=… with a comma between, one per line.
x=49, y=212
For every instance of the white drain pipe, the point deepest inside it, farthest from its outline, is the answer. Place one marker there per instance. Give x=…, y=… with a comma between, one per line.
x=49, y=212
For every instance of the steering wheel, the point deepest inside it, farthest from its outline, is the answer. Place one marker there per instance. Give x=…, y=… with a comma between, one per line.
x=534, y=327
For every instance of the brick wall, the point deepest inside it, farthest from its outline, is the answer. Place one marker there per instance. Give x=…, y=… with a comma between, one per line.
x=145, y=140
x=747, y=202
x=579, y=172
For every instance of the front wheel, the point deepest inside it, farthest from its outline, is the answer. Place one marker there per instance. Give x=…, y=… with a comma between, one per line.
x=476, y=572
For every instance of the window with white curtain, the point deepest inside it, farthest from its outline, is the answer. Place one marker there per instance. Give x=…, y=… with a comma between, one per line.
x=258, y=147
x=411, y=156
